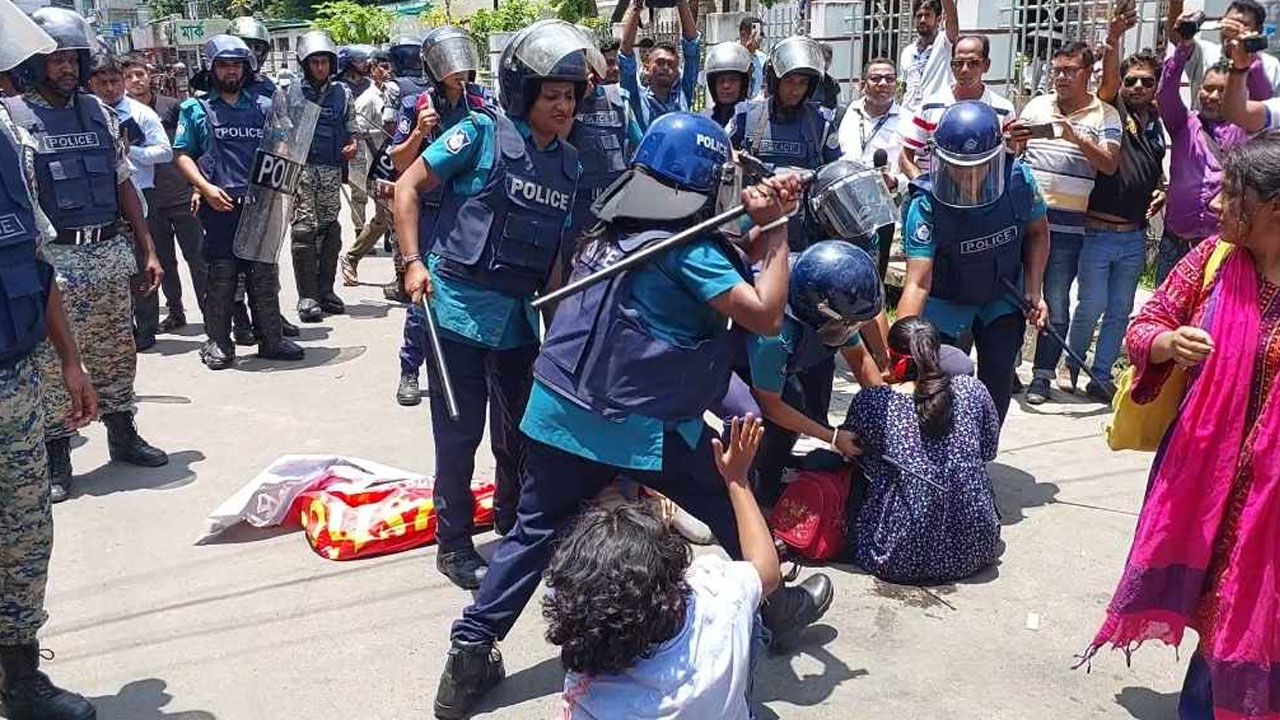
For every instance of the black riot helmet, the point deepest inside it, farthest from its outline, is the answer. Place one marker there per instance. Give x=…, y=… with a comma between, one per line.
x=834, y=289
x=69, y=31
x=406, y=57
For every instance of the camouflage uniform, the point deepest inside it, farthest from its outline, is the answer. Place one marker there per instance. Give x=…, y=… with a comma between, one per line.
x=319, y=198
x=26, y=520
x=94, y=280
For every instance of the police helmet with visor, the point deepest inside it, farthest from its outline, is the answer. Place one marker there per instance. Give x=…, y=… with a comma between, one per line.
x=968, y=156
x=676, y=172
x=850, y=201
x=548, y=50
x=796, y=54
x=355, y=57
x=406, y=57
x=834, y=289
x=317, y=42
x=227, y=47
x=24, y=38
x=254, y=34
x=69, y=31
x=728, y=57
x=448, y=51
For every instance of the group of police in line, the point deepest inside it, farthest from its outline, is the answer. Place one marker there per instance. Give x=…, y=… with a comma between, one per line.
x=495, y=203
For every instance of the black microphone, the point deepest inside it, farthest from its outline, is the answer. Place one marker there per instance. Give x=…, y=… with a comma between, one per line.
x=881, y=158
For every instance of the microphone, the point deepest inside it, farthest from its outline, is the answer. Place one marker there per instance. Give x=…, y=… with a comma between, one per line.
x=881, y=158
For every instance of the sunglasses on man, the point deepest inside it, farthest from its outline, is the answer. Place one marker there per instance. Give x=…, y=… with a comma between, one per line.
x=1147, y=82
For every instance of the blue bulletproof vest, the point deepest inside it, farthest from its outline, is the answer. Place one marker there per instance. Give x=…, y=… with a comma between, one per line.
x=449, y=116
x=24, y=282
x=261, y=85
x=235, y=134
x=600, y=136
x=331, y=128
x=600, y=355
x=807, y=350
x=75, y=160
x=506, y=237
x=797, y=143
x=976, y=251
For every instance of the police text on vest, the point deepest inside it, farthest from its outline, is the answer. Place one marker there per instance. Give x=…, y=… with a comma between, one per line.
x=534, y=192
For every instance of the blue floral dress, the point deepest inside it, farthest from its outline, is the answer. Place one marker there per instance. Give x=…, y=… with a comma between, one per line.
x=945, y=526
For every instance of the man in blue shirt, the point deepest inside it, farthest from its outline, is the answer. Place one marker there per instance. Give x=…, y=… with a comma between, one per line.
x=628, y=368
x=508, y=185
x=662, y=67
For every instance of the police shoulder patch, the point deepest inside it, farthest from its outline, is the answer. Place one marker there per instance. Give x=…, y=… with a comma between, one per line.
x=923, y=233
x=833, y=140
x=403, y=128
x=456, y=141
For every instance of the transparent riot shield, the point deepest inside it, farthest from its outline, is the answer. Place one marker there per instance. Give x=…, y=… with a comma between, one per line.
x=274, y=178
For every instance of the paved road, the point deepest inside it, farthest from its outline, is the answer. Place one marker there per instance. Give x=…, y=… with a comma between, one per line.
x=257, y=627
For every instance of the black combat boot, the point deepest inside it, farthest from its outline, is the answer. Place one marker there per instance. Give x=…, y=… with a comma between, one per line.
x=464, y=568
x=59, y=451
x=327, y=265
x=28, y=694
x=408, y=393
x=126, y=445
x=305, y=276
x=287, y=328
x=789, y=610
x=394, y=291
x=242, y=330
x=470, y=671
x=220, y=292
x=264, y=296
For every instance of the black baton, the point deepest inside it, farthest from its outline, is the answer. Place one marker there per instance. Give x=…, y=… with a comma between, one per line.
x=442, y=368
x=1052, y=332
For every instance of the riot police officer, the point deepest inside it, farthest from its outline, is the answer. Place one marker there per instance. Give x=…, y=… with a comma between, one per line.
x=447, y=95
x=974, y=223
x=509, y=184
x=255, y=35
x=406, y=67
x=729, y=66
x=317, y=236
x=354, y=63
x=789, y=129
x=614, y=388
x=217, y=138
x=833, y=291
x=85, y=189
x=30, y=308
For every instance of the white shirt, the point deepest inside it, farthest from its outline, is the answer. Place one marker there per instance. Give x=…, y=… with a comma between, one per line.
x=917, y=129
x=155, y=147
x=758, y=59
x=703, y=672
x=862, y=135
x=369, y=123
x=927, y=69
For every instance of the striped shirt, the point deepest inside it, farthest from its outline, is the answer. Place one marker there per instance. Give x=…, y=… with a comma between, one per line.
x=1062, y=170
x=917, y=128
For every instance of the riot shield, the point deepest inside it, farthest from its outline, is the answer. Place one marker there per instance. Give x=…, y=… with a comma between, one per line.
x=273, y=180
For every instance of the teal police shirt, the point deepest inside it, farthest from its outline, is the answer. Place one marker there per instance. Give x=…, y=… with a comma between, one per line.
x=767, y=355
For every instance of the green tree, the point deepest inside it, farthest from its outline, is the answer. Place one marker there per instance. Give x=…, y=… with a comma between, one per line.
x=510, y=16
x=349, y=22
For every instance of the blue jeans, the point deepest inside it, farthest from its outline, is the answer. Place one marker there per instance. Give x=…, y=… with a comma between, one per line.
x=1110, y=263
x=1196, y=701
x=1064, y=259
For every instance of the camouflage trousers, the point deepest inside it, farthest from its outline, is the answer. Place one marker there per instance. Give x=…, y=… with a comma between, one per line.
x=319, y=198
x=26, y=520
x=102, y=324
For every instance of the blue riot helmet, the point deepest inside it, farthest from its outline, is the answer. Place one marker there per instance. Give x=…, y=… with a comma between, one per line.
x=834, y=289
x=406, y=57
x=850, y=201
x=69, y=31
x=355, y=56
x=968, y=167
x=448, y=51
x=546, y=50
x=675, y=174
x=227, y=47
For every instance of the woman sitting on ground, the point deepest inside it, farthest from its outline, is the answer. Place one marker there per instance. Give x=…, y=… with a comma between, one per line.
x=937, y=521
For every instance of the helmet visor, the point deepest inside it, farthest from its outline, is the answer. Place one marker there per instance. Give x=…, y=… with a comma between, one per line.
x=24, y=37
x=546, y=43
x=966, y=181
x=837, y=332
x=854, y=206
x=451, y=55
x=798, y=54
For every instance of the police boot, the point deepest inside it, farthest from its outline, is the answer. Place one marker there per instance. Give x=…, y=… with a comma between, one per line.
x=59, y=452
x=304, y=275
x=266, y=308
x=394, y=291
x=126, y=445
x=28, y=694
x=218, y=353
x=408, y=393
x=470, y=671
x=242, y=331
x=287, y=328
x=789, y=610
x=330, y=249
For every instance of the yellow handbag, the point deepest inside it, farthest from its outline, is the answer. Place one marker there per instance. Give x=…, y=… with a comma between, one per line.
x=1142, y=427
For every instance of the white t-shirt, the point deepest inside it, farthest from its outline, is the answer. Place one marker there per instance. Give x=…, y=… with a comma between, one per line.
x=917, y=129
x=703, y=672
x=927, y=70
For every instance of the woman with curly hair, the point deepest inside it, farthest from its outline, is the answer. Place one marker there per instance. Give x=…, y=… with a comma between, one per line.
x=645, y=630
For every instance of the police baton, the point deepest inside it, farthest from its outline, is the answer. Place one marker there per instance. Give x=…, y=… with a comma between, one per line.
x=1052, y=332
x=442, y=368
x=680, y=238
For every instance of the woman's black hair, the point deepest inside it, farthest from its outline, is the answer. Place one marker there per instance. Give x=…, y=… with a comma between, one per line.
x=916, y=338
x=616, y=588
x=1254, y=165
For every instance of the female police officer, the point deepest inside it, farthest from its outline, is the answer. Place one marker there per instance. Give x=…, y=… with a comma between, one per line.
x=626, y=372
x=509, y=185
x=975, y=223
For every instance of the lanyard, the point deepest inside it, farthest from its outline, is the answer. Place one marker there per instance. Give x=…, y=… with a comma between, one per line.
x=862, y=127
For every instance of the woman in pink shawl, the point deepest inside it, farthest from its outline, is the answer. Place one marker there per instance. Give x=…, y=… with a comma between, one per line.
x=1206, y=552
